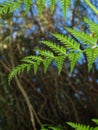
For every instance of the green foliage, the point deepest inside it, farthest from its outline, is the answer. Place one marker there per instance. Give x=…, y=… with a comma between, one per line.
x=29, y=61
x=65, y=5
x=95, y=121
x=11, y=5
x=41, y=4
x=49, y=127
x=92, y=26
x=28, y=4
x=78, y=126
x=68, y=48
x=8, y=7
x=83, y=37
x=52, y=5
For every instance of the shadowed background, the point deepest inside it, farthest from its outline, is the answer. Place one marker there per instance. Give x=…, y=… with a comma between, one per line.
x=56, y=99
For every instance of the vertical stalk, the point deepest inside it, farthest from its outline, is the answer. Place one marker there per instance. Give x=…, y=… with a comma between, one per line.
x=91, y=6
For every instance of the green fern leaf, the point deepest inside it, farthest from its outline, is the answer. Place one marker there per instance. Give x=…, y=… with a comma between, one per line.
x=41, y=4
x=17, y=70
x=52, y=5
x=65, y=5
x=36, y=65
x=60, y=50
x=92, y=55
x=54, y=128
x=27, y=61
x=96, y=128
x=28, y=4
x=92, y=26
x=45, y=53
x=48, y=58
x=32, y=58
x=79, y=126
x=70, y=44
x=30, y=62
x=85, y=38
x=74, y=57
x=46, y=64
x=95, y=120
x=35, y=60
x=10, y=6
x=59, y=60
x=29, y=67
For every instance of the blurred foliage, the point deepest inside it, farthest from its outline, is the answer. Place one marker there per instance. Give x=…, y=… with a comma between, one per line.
x=56, y=99
x=78, y=126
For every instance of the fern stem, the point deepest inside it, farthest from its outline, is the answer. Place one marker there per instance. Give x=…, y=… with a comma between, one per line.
x=91, y=6
x=27, y=101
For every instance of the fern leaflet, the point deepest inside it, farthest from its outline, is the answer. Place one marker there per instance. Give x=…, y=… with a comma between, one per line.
x=18, y=69
x=70, y=44
x=41, y=4
x=74, y=57
x=92, y=54
x=52, y=5
x=79, y=126
x=59, y=60
x=95, y=120
x=48, y=58
x=92, y=26
x=60, y=50
x=8, y=7
x=85, y=38
x=65, y=5
x=28, y=4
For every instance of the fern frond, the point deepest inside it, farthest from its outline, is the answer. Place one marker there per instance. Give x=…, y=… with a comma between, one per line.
x=18, y=69
x=70, y=44
x=49, y=127
x=73, y=58
x=92, y=55
x=28, y=62
x=65, y=5
x=60, y=50
x=49, y=56
x=10, y=6
x=79, y=126
x=59, y=60
x=28, y=4
x=36, y=65
x=33, y=58
x=41, y=4
x=95, y=121
x=52, y=5
x=85, y=38
x=45, y=53
x=92, y=26
x=55, y=128
x=96, y=128
x=46, y=64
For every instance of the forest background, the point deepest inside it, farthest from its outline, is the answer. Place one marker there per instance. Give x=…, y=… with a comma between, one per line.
x=55, y=99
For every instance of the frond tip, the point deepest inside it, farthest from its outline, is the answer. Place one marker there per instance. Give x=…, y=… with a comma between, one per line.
x=17, y=70
x=78, y=126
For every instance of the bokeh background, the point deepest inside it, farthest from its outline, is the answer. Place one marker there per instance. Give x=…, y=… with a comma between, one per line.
x=56, y=99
